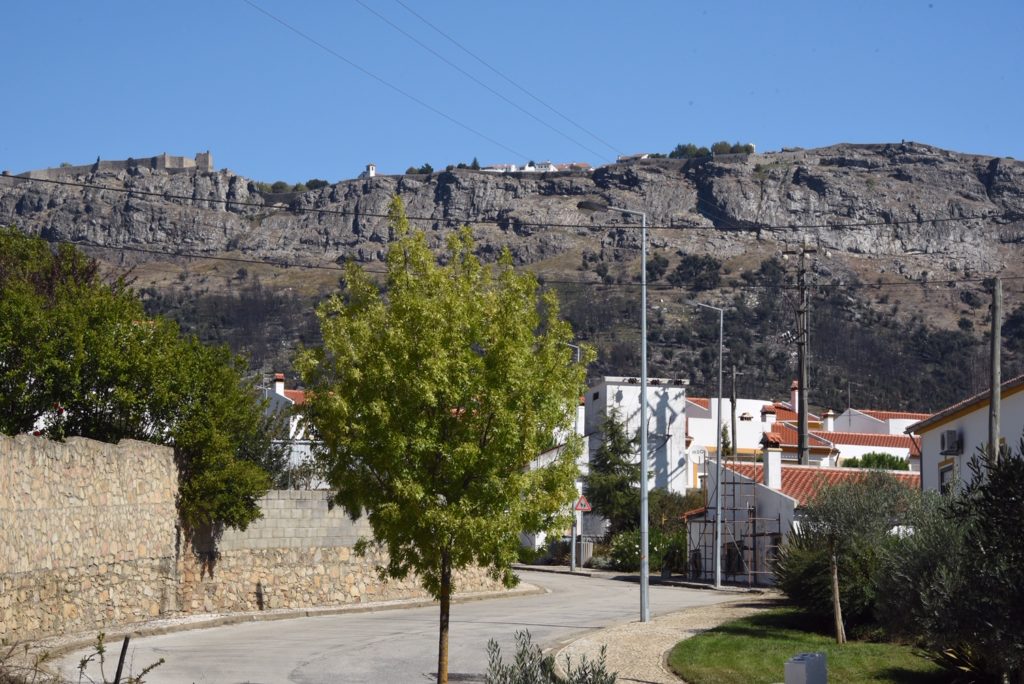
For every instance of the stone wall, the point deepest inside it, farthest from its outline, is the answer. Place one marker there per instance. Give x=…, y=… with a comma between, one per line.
x=202, y=162
x=87, y=535
x=89, y=541
x=299, y=555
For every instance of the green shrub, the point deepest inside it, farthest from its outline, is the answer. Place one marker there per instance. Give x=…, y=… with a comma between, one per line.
x=625, y=550
x=531, y=666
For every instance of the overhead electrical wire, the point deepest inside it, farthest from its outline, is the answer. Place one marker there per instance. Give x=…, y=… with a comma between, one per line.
x=383, y=81
x=476, y=80
x=507, y=78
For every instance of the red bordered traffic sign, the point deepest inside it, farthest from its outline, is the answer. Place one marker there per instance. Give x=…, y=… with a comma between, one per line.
x=582, y=505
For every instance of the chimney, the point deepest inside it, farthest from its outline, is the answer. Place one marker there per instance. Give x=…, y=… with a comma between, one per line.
x=773, y=468
x=768, y=415
x=830, y=420
x=279, y=383
x=794, y=396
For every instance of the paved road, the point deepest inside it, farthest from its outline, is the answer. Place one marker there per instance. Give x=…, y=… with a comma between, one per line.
x=399, y=645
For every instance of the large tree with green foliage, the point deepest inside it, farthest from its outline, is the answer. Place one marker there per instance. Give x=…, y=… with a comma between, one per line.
x=432, y=398
x=81, y=357
x=843, y=529
x=878, y=460
x=612, y=483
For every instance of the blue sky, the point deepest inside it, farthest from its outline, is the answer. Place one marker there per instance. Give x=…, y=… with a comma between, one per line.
x=129, y=78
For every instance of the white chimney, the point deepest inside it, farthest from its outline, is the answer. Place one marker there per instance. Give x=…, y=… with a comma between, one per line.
x=768, y=415
x=773, y=468
x=830, y=420
x=794, y=396
x=279, y=383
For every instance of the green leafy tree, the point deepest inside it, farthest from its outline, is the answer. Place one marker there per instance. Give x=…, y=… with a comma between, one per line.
x=955, y=583
x=613, y=481
x=280, y=186
x=878, y=460
x=82, y=357
x=842, y=532
x=316, y=183
x=699, y=272
x=656, y=267
x=431, y=401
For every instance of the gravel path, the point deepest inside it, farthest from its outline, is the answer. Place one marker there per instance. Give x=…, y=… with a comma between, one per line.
x=637, y=651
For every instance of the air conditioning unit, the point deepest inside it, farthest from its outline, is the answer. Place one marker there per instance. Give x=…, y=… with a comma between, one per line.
x=951, y=443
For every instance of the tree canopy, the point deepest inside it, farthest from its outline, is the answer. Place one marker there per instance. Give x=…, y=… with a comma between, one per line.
x=79, y=357
x=432, y=398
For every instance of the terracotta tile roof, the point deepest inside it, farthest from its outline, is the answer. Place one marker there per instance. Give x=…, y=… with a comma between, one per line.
x=870, y=439
x=783, y=411
x=784, y=435
x=1011, y=386
x=894, y=415
x=298, y=396
x=803, y=482
x=704, y=403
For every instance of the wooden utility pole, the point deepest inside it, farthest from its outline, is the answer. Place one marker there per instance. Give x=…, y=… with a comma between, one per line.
x=735, y=438
x=995, y=398
x=803, y=345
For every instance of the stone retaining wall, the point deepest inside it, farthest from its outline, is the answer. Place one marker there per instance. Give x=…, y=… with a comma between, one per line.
x=87, y=535
x=89, y=541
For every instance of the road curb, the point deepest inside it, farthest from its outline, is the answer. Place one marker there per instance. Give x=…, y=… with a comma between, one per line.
x=114, y=636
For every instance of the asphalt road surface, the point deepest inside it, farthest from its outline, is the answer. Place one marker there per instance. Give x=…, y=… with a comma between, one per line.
x=396, y=645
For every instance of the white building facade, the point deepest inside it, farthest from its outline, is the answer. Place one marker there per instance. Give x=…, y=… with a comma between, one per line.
x=952, y=437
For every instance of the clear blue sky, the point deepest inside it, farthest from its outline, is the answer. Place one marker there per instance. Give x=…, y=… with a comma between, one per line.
x=128, y=78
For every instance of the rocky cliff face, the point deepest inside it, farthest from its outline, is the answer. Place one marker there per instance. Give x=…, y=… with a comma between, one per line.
x=896, y=211
x=961, y=212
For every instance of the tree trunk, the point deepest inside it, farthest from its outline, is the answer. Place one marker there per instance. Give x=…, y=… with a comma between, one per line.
x=445, y=598
x=837, y=608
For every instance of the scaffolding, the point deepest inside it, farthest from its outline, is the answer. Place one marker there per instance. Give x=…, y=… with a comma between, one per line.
x=750, y=541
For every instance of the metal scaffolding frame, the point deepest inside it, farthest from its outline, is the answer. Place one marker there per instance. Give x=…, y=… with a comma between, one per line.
x=749, y=542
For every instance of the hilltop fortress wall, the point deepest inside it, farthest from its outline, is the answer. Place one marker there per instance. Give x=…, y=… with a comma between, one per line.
x=202, y=163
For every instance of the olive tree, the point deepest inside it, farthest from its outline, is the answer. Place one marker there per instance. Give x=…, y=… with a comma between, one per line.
x=432, y=397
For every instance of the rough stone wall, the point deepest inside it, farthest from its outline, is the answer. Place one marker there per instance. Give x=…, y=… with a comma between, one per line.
x=89, y=541
x=299, y=555
x=87, y=535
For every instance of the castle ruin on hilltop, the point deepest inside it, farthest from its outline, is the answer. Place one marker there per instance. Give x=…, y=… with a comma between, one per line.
x=203, y=163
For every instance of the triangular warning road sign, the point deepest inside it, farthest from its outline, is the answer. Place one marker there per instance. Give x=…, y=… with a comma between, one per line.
x=582, y=505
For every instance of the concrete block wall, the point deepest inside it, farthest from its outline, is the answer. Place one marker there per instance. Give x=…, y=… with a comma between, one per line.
x=300, y=554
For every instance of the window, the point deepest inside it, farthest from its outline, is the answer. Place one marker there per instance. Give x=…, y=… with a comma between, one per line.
x=946, y=478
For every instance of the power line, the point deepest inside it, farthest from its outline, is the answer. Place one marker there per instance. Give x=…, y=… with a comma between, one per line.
x=381, y=80
x=464, y=221
x=475, y=79
x=508, y=79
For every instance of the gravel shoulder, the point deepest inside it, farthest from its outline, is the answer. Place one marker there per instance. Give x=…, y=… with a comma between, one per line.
x=637, y=651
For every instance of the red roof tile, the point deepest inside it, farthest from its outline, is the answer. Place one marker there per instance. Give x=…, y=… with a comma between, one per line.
x=894, y=415
x=298, y=396
x=870, y=439
x=803, y=482
x=700, y=401
x=784, y=435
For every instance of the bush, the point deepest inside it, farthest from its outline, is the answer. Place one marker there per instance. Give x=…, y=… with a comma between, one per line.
x=955, y=583
x=697, y=272
x=625, y=550
x=877, y=460
x=531, y=666
x=316, y=183
x=280, y=186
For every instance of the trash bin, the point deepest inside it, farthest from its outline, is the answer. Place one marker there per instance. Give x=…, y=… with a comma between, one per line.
x=807, y=668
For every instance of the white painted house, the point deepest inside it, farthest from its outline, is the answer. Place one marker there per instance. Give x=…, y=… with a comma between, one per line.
x=286, y=401
x=951, y=437
x=671, y=468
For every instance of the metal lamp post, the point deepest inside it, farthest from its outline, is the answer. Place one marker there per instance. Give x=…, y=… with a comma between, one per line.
x=645, y=604
x=718, y=448
x=577, y=516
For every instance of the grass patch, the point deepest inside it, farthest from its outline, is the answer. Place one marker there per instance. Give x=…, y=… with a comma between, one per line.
x=755, y=649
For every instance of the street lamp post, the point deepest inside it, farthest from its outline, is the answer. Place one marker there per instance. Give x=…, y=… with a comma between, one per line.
x=577, y=516
x=645, y=604
x=718, y=449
